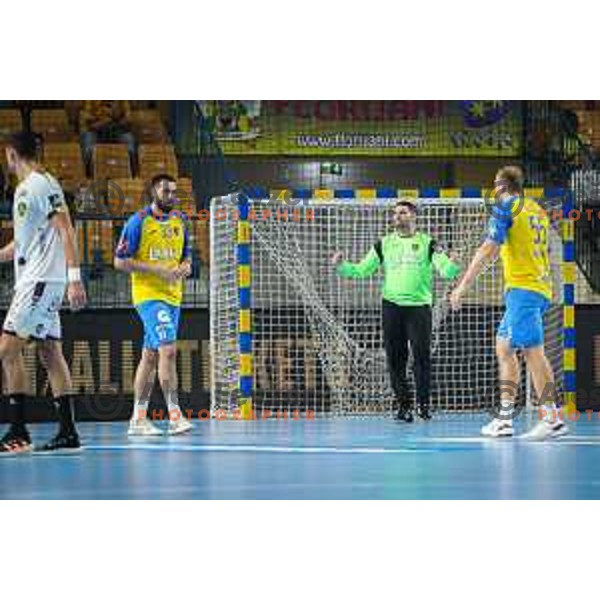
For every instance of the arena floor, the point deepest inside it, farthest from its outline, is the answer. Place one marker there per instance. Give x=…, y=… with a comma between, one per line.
x=321, y=459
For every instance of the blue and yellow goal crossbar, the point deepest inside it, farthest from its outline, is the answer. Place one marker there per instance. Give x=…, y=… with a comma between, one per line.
x=367, y=195
x=383, y=193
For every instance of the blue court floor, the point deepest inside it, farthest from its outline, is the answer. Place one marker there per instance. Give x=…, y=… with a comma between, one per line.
x=322, y=459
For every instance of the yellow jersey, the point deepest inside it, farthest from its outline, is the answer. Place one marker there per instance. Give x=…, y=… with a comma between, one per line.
x=151, y=238
x=521, y=228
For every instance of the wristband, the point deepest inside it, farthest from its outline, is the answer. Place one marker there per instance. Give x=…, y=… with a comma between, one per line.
x=73, y=274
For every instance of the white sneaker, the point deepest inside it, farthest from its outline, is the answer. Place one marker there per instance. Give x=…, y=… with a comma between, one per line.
x=545, y=430
x=143, y=428
x=178, y=426
x=498, y=428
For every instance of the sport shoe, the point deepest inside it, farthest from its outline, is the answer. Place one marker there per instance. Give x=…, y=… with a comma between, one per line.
x=423, y=412
x=180, y=425
x=62, y=443
x=143, y=428
x=545, y=430
x=404, y=414
x=498, y=428
x=16, y=441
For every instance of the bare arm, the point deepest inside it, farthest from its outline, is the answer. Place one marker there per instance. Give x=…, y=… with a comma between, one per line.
x=8, y=252
x=486, y=253
x=61, y=221
x=131, y=265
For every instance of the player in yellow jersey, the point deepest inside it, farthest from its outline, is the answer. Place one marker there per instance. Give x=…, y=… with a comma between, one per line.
x=518, y=231
x=154, y=247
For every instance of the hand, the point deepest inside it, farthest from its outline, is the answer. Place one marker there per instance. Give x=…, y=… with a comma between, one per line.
x=456, y=297
x=170, y=274
x=337, y=258
x=76, y=295
x=185, y=269
x=453, y=256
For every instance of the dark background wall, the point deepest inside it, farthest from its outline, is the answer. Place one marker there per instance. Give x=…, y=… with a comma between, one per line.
x=102, y=347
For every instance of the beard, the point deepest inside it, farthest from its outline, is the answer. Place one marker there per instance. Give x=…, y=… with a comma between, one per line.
x=405, y=228
x=165, y=206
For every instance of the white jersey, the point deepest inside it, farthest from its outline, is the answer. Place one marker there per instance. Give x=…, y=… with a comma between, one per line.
x=39, y=250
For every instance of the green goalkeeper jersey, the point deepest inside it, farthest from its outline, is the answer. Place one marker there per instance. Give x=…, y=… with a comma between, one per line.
x=408, y=264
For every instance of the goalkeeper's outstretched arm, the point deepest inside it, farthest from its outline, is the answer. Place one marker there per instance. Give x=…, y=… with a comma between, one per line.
x=446, y=265
x=365, y=268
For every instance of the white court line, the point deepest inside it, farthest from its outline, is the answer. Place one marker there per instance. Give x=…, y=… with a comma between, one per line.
x=161, y=447
x=251, y=448
x=569, y=440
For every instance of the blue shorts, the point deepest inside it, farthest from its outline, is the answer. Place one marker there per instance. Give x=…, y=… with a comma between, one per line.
x=523, y=321
x=161, y=322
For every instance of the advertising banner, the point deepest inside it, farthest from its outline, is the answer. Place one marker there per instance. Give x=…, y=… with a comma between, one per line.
x=364, y=127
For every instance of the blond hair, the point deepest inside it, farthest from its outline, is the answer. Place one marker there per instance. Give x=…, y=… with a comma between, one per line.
x=512, y=178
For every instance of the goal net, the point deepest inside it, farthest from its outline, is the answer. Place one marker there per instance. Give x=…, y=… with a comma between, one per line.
x=317, y=338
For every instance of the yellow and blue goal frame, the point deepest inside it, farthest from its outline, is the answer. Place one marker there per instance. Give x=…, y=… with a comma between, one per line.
x=244, y=267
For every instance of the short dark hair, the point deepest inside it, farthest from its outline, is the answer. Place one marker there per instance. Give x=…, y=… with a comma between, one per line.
x=511, y=178
x=162, y=177
x=24, y=143
x=408, y=203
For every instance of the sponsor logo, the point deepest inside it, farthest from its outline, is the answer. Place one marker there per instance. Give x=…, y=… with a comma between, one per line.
x=54, y=305
x=55, y=201
x=123, y=247
x=162, y=254
x=481, y=113
x=499, y=140
x=164, y=331
x=163, y=316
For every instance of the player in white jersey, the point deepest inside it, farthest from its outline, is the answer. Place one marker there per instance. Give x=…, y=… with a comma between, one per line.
x=44, y=251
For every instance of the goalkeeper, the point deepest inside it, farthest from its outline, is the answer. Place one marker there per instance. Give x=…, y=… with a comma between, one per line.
x=408, y=258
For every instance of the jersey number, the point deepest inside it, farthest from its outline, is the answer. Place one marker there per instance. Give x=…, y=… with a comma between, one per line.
x=541, y=233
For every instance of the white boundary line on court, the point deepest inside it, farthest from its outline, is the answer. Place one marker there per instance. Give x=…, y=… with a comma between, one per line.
x=571, y=440
x=162, y=447
x=255, y=448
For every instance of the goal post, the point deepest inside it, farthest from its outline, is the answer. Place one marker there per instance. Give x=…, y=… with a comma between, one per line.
x=288, y=334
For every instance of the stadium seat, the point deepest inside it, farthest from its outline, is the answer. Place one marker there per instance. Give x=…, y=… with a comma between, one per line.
x=202, y=240
x=148, y=127
x=155, y=158
x=146, y=116
x=125, y=196
x=52, y=124
x=10, y=122
x=96, y=242
x=185, y=193
x=73, y=108
x=111, y=161
x=6, y=232
x=79, y=188
x=64, y=161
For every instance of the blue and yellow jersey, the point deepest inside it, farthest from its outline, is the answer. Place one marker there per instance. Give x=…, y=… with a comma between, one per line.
x=148, y=238
x=521, y=228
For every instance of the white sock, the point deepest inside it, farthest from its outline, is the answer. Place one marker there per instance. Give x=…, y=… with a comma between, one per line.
x=506, y=411
x=140, y=410
x=173, y=409
x=551, y=412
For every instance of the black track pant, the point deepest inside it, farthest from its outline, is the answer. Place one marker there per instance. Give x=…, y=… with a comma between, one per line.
x=403, y=325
